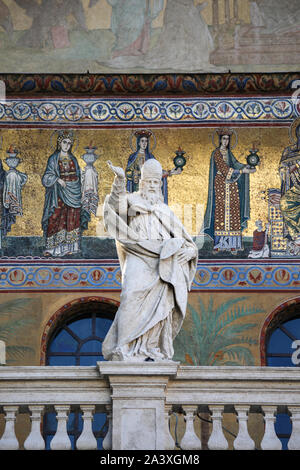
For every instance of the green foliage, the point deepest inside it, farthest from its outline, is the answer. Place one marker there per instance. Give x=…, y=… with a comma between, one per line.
x=15, y=316
x=215, y=338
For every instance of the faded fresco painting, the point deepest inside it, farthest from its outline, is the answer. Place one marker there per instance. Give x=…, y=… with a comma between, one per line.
x=139, y=36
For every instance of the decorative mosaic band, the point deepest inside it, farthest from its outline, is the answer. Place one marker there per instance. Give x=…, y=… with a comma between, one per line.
x=116, y=84
x=41, y=276
x=85, y=112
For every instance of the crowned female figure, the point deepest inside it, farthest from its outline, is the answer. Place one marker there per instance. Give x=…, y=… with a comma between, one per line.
x=137, y=159
x=228, y=204
x=64, y=219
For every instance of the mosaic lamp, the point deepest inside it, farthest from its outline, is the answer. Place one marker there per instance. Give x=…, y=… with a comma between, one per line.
x=179, y=160
x=253, y=159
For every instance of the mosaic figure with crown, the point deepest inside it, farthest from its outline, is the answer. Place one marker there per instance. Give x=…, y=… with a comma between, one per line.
x=64, y=218
x=228, y=203
x=141, y=153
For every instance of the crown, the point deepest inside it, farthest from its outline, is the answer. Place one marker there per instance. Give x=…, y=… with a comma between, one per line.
x=143, y=133
x=224, y=131
x=66, y=134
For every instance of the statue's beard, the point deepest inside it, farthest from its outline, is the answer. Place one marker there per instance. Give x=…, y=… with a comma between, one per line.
x=150, y=197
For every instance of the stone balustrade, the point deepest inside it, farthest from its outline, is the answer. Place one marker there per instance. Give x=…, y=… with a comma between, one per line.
x=151, y=406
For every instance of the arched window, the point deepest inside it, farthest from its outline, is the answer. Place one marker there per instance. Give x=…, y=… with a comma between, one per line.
x=282, y=349
x=76, y=340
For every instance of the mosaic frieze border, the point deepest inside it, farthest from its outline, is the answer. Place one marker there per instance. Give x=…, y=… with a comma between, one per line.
x=107, y=112
x=116, y=84
x=106, y=276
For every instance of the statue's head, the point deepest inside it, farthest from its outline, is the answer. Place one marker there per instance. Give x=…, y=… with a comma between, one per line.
x=150, y=183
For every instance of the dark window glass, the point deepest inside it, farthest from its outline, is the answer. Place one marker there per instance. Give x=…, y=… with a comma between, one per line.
x=281, y=353
x=78, y=342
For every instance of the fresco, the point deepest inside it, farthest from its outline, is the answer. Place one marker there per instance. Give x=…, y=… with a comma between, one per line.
x=17, y=317
x=217, y=336
x=142, y=36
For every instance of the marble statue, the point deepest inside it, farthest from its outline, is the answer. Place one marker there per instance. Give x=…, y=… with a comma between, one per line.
x=158, y=262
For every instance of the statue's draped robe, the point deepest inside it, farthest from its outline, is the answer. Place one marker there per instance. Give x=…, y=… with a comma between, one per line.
x=63, y=217
x=154, y=284
x=228, y=207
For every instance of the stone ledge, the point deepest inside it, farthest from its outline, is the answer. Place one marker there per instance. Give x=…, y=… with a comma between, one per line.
x=138, y=368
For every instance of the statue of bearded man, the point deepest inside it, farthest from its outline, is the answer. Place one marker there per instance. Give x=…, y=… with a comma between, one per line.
x=158, y=262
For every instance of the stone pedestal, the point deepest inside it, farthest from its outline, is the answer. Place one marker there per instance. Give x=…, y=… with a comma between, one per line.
x=138, y=403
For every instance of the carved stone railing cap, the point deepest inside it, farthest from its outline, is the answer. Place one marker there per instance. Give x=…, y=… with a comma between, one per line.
x=138, y=368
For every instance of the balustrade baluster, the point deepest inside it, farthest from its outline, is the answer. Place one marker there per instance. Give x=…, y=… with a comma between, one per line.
x=169, y=441
x=215, y=12
x=270, y=440
x=190, y=440
x=87, y=440
x=107, y=441
x=61, y=440
x=8, y=440
x=243, y=441
x=235, y=10
x=294, y=441
x=35, y=440
x=217, y=440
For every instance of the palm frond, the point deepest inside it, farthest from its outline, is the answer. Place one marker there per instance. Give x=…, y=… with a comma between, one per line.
x=213, y=331
x=17, y=352
x=242, y=354
x=17, y=306
x=224, y=306
x=10, y=328
x=224, y=341
x=233, y=315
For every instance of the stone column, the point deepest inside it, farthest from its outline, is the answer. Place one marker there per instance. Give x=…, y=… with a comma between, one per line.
x=138, y=403
x=227, y=11
x=235, y=10
x=215, y=13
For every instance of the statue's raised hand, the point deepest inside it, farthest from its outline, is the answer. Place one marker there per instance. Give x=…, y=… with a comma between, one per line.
x=118, y=171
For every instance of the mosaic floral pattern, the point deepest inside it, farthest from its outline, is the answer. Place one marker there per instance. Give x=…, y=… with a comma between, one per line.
x=221, y=276
x=108, y=111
